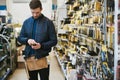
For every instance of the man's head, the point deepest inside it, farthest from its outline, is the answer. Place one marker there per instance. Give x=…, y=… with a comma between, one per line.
x=36, y=8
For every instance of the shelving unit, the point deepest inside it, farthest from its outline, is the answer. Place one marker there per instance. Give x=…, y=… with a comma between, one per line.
x=86, y=45
x=7, y=52
x=2, y=58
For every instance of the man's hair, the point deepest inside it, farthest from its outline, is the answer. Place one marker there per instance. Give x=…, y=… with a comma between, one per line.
x=35, y=4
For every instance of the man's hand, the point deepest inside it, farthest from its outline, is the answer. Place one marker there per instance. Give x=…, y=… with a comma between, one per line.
x=31, y=41
x=36, y=46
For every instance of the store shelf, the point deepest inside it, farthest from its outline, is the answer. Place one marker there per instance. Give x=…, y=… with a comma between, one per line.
x=4, y=65
x=92, y=15
x=8, y=48
x=88, y=76
x=5, y=75
x=2, y=58
x=119, y=11
x=64, y=40
x=60, y=63
x=111, y=13
x=61, y=31
x=1, y=50
x=86, y=56
x=92, y=31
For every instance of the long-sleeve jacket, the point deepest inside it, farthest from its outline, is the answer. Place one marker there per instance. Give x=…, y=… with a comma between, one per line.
x=45, y=35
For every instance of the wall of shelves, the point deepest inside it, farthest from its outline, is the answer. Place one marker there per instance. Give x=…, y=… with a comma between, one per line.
x=8, y=52
x=87, y=43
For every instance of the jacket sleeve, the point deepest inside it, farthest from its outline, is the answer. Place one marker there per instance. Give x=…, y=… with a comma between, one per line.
x=52, y=37
x=22, y=38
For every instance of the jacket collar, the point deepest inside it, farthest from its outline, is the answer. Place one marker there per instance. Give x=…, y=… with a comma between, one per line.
x=39, y=18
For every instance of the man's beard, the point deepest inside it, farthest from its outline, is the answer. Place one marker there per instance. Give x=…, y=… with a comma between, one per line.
x=36, y=17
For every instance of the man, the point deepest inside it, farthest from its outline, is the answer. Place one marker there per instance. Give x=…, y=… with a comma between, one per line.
x=38, y=34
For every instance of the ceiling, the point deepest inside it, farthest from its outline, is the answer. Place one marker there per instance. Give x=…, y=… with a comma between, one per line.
x=25, y=1
x=21, y=1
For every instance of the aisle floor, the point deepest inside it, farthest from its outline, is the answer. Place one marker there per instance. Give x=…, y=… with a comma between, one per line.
x=55, y=71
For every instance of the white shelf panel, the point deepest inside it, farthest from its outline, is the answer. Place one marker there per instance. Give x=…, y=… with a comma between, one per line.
x=61, y=31
x=119, y=11
x=62, y=68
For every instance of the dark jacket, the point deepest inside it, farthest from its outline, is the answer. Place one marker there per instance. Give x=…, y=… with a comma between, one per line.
x=45, y=35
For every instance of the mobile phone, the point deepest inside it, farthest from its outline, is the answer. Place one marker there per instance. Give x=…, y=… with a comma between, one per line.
x=33, y=44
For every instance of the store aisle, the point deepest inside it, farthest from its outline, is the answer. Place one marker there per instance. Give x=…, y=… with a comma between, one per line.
x=55, y=71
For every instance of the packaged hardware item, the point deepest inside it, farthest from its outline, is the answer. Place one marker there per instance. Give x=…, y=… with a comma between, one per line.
x=97, y=6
